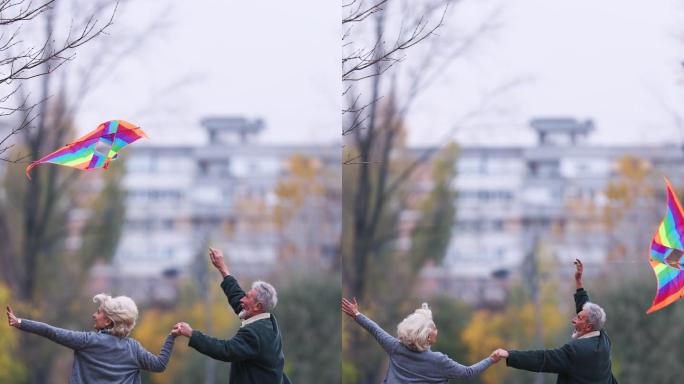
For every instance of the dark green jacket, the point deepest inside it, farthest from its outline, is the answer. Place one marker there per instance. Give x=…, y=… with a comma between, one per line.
x=580, y=361
x=255, y=351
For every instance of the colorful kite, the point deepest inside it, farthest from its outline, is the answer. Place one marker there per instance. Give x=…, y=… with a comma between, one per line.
x=666, y=254
x=96, y=149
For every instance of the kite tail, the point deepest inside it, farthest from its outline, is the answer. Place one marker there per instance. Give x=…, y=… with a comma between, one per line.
x=30, y=167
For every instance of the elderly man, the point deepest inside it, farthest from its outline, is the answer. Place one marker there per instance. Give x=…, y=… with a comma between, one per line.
x=583, y=360
x=256, y=350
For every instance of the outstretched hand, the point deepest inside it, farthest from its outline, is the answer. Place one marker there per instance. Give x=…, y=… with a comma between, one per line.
x=217, y=260
x=12, y=319
x=579, y=269
x=351, y=308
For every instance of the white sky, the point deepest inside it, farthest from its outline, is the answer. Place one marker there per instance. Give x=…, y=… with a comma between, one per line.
x=615, y=61
x=276, y=60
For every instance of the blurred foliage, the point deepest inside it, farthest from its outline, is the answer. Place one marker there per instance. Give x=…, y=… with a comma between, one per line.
x=103, y=228
x=646, y=348
x=93, y=214
x=308, y=314
x=514, y=328
x=635, y=204
x=391, y=270
x=12, y=370
x=302, y=184
x=451, y=318
x=432, y=233
x=306, y=215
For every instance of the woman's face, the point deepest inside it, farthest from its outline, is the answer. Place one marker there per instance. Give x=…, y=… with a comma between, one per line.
x=101, y=321
x=432, y=336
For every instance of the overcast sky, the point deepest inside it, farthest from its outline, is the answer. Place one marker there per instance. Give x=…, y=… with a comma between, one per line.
x=617, y=62
x=276, y=60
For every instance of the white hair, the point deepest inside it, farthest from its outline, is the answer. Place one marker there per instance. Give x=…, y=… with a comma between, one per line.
x=266, y=295
x=596, y=316
x=413, y=331
x=121, y=310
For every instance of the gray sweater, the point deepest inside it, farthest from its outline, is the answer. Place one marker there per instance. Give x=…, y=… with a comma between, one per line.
x=407, y=366
x=103, y=358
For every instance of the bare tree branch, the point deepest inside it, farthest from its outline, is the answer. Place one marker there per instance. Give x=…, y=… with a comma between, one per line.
x=23, y=12
x=357, y=13
x=20, y=60
x=358, y=60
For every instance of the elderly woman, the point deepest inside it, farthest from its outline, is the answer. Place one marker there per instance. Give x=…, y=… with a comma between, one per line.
x=411, y=360
x=108, y=355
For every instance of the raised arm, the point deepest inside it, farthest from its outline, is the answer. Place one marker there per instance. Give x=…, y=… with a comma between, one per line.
x=581, y=295
x=233, y=292
x=579, y=269
x=70, y=339
x=151, y=362
x=386, y=341
x=230, y=286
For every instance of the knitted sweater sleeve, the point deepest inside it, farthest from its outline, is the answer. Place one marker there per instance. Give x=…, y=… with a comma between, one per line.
x=151, y=362
x=386, y=341
x=71, y=339
x=454, y=370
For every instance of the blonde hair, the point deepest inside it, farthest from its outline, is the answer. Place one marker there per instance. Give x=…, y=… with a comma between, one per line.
x=121, y=310
x=414, y=330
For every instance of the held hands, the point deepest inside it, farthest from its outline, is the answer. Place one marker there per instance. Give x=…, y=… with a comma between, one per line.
x=181, y=329
x=216, y=257
x=12, y=319
x=351, y=308
x=499, y=354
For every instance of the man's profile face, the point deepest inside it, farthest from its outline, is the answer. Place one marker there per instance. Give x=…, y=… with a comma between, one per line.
x=580, y=324
x=250, y=306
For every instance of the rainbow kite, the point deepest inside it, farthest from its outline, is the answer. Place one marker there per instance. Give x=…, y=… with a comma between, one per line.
x=666, y=254
x=96, y=149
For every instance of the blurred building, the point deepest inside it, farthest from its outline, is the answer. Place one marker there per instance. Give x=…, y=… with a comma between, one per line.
x=548, y=199
x=182, y=198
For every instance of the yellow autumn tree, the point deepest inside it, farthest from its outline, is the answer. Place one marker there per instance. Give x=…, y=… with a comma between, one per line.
x=632, y=211
x=302, y=182
x=513, y=328
x=306, y=214
x=11, y=368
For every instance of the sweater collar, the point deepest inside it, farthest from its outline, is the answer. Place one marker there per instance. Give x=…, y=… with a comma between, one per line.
x=254, y=318
x=590, y=334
